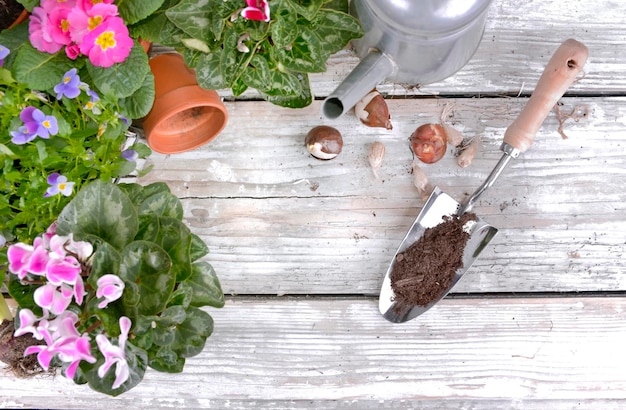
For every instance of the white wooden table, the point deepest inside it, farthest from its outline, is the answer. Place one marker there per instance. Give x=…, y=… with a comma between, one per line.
x=301, y=245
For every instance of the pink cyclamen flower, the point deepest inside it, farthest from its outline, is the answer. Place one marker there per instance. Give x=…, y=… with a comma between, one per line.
x=52, y=298
x=64, y=341
x=115, y=354
x=25, y=259
x=110, y=287
x=256, y=10
x=28, y=324
x=108, y=44
x=58, y=185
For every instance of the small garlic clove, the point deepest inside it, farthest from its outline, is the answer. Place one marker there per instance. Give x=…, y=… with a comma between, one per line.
x=420, y=180
x=468, y=152
x=375, y=156
x=373, y=111
x=324, y=142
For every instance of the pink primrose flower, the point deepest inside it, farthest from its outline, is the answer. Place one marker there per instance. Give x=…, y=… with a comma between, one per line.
x=256, y=10
x=115, y=354
x=86, y=19
x=107, y=44
x=59, y=26
x=51, y=5
x=39, y=28
x=28, y=322
x=110, y=287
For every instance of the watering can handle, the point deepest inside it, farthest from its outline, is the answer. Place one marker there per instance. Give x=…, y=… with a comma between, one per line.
x=559, y=74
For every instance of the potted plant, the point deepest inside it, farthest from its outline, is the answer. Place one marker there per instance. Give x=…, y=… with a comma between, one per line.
x=67, y=106
x=113, y=287
x=270, y=46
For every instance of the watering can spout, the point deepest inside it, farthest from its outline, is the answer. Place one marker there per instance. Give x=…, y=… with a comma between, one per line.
x=372, y=69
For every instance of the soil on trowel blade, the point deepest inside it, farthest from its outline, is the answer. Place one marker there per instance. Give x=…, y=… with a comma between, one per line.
x=424, y=271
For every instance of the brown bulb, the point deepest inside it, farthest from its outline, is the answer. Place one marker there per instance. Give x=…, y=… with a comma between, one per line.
x=429, y=143
x=324, y=142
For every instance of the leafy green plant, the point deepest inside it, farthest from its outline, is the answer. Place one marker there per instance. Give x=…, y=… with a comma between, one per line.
x=228, y=50
x=134, y=299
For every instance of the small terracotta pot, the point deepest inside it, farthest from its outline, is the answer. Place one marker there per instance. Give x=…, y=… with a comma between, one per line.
x=184, y=115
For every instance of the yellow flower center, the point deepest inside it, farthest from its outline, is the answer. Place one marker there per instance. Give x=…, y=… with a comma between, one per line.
x=94, y=22
x=106, y=40
x=62, y=186
x=66, y=79
x=46, y=124
x=65, y=25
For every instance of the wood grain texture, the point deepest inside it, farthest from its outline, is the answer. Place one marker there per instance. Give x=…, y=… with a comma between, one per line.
x=278, y=221
x=335, y=352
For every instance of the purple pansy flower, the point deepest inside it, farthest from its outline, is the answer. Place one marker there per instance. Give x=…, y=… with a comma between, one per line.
x=58, y=184
x=68, y=86
x=4, y=52
x=130, y=155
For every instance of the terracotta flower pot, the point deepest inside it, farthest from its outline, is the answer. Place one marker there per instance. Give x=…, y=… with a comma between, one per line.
x=20, y=19
x=184, y=115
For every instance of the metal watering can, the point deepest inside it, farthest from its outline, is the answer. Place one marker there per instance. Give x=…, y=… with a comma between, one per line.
x=408, y=41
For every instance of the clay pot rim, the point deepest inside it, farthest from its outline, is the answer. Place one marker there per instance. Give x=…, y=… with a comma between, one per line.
x=171, y=104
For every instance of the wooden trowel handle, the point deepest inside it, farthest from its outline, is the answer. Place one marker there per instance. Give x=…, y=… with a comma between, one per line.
x=559, y=74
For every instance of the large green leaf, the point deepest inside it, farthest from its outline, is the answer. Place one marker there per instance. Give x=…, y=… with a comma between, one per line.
x=148, y=266
x=209, y=71
x=41, y=71
x=335, y=29
x=165, y=359
x=100, y=209
x=191, y=335
x=122, y=79
x=306, y=8
x=14, y=39
x=162, y=204
x=198, y=248
x=301, y=100
x=306, y=53
x=205, y=286
x=257, y=74
x=139, y=104
x=174, y=237
x=133, y=11
x=193, y=17
x=137, y=360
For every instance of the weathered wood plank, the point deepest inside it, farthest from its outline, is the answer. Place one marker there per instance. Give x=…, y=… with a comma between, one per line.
x=279, y=221
x=519, y=38
x=490, y=353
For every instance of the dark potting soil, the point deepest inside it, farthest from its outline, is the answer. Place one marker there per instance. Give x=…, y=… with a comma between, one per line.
x=12, y=351
x=424, y=271
x=9, y=10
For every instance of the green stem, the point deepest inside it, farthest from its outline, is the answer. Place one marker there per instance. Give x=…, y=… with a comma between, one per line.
x=5, y=313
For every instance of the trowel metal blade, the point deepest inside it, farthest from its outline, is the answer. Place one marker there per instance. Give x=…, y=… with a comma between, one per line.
x=438, y=206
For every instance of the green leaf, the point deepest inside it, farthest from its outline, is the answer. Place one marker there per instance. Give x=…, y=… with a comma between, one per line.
x=181, y=296
x=137, y=360
x=198, y=248
x=148, y=266
x=174, y=237
x=191, y=335
x=139, y=104
x=100, y=209
x=285, y=29
x=105, y=260
x=301, y=100
x=232, y=61
x=285, y=84
x=134, y=11
x=335, y=29
x=162, y=204
x=165, y=325
x=205, y=286
x=209, y=72
x=40, y=71
x=306, y=8
x=14, y=39
x=122, y=79
x=23, y=294
x=164, y=359
x=257, y=74
x=193, y=17
x=306, y=53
